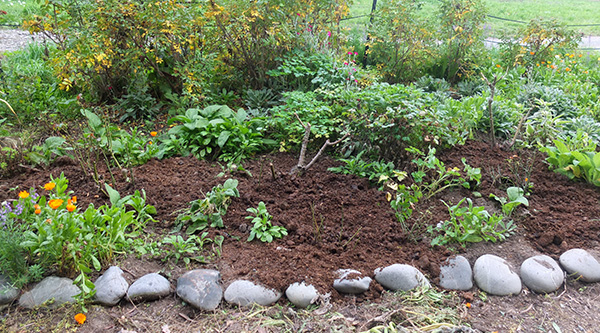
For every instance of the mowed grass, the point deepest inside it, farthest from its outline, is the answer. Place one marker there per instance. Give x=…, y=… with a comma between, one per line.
x=570, y=12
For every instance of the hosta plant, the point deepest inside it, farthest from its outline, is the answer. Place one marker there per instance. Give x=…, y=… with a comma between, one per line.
x=582, y=164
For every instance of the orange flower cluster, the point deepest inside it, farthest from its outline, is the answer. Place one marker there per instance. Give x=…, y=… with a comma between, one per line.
x=55, y=203
x=80, y=318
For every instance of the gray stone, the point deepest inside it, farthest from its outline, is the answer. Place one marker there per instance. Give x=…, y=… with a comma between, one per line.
x=542, y=274
x=54, y=290
x=495, y=276
x=400, y=277
x=201, y=289
x=8, y=293
x=243, y=292
x=301, y=295
x=456, y=274
x=149, y=287
x=581, y=264
x=350, y=281
x=111, y=286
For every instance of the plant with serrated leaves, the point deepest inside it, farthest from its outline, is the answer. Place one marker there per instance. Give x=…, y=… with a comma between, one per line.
x=471, y=224
x=210, y=210
x=262, y=228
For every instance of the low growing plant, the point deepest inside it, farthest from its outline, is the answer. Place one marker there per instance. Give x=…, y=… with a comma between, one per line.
x=64, y=238
x=582, y=164
x=515, y=197
x=262, y=228
x=471, y=224
x=210, y=210
x=187, y=249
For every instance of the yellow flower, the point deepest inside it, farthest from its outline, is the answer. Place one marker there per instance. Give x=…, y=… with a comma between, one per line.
x=23, y=194
x=153, y=133
x=55, y=203
x=49, y=186
x=80, y=318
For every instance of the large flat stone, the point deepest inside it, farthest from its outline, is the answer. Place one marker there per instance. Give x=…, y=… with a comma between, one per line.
x=51, y=291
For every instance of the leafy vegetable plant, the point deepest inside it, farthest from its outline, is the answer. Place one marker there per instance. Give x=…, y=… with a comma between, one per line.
x=515, y=197
x=262, y=228
x=584, y=164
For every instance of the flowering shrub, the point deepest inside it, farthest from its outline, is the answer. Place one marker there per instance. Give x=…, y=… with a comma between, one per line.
x=401, y=41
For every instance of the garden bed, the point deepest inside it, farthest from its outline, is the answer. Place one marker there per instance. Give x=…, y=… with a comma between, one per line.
x=339, y=221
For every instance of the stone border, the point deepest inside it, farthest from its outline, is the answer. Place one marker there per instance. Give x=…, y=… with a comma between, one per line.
x=202, y=288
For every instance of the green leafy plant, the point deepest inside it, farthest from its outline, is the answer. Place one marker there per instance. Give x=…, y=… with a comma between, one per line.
x=45, y=154
x=515, y=197
x=187, y=249
x=214, y=132
x=262, y=228
x=440, y=177
x=210, y=210
x=471, y=224
x=581, y=164
x=63, y=238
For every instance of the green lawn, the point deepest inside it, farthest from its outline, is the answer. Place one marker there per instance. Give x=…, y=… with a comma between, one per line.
x=571, y=12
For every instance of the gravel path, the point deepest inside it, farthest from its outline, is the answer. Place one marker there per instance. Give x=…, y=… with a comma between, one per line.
x=14, y=39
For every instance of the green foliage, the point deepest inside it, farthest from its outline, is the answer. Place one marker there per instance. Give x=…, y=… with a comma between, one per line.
x=262, y=228
x=581, y=164
x=326, y=122
x=210, y=210
x=45, y=154
x=433, y=177
x=515, y=197
x=188, y=249
x=471, y=224
x=215, y=132
x=376, y=172
x=389, y=118
x=401, y=40
x=260, y=101
x=28, y=84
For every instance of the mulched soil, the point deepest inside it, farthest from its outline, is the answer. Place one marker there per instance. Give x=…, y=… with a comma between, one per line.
x=340, y=221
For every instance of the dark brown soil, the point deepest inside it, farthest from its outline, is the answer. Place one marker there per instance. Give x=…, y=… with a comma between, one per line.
x=359, y=229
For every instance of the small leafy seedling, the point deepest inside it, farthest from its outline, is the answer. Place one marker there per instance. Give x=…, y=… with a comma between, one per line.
x=262, y=228
x=515, y=197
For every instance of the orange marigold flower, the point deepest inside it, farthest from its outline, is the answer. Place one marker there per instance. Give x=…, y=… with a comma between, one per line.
x=468, y=305
x=532, y=53
x=55, y=203
x=74, y=199
x=153, y=133
x=498, y=65
x=37, y=211
x=49, y=186
x=80, y=318
x=23, y=194
x=71, y=207
x=567, y=69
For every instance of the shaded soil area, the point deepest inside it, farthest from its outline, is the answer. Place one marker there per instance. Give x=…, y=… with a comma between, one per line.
x=339, y=221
